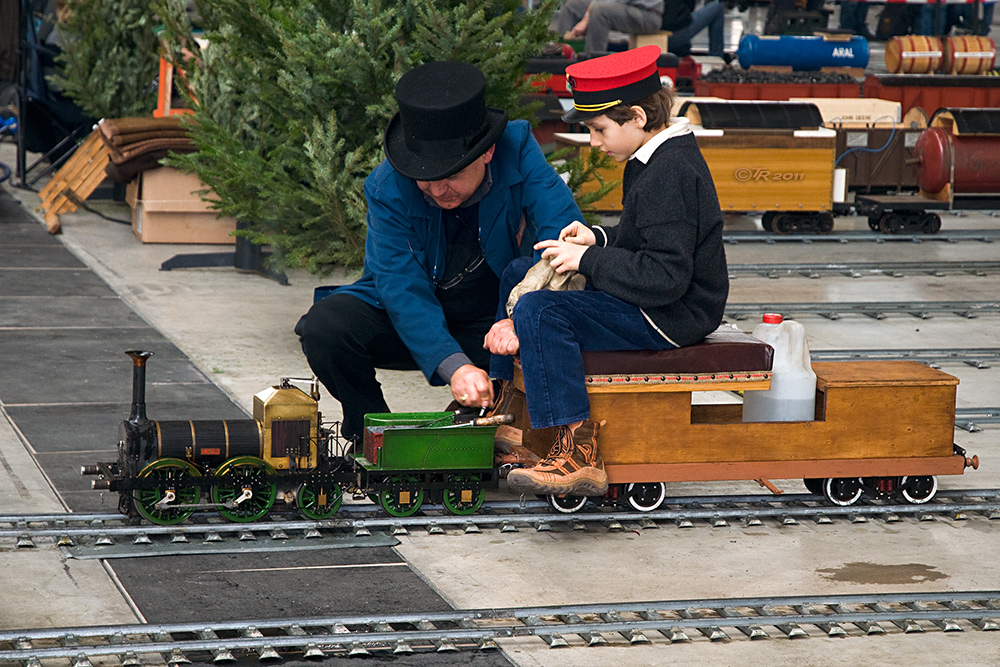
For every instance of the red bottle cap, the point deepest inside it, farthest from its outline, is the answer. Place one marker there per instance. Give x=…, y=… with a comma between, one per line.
x=772, y=318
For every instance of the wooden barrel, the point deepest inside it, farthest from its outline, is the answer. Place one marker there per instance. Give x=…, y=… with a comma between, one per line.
x=913, y=54
x=968, y=54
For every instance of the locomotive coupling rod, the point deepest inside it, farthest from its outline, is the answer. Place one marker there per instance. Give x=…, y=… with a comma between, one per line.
x=168, y=497
x=235, y=502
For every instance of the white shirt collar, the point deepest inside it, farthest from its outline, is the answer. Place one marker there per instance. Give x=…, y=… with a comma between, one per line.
x=677, y=128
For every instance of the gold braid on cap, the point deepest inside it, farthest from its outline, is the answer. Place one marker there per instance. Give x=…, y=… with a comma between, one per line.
x=596, y=107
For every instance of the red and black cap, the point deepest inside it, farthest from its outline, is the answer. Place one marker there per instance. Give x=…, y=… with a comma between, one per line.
x=619, y=78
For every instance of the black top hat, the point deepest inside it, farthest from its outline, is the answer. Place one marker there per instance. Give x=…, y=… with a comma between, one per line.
x=443, y=123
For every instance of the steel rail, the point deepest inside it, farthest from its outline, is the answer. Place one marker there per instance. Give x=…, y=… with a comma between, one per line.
x=874, y=309
x=860, y=269
x=969, y=419
x=976, y=357
x=496, y=506
x=478, y=629
x=735, y=237
x=715, y=511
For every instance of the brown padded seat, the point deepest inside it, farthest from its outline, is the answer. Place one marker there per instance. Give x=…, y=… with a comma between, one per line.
x=724, y=351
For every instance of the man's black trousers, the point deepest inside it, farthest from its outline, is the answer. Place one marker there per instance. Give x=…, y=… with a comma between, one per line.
x=345, y=340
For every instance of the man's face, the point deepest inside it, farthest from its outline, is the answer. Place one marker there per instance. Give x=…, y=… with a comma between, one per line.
x=450, y=192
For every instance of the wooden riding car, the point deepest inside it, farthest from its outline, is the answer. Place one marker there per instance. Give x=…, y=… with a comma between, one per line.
x=881, y=427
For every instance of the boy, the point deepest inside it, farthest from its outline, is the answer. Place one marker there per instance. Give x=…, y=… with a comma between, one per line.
x=656, y=281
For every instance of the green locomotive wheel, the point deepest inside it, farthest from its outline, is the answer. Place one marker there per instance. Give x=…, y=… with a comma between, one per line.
x=402, y=503
x=248, y=473
x=319, y=501
x=452, y=496
x=172, y=473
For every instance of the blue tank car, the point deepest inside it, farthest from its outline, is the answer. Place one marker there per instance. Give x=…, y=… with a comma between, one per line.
x=802, y=53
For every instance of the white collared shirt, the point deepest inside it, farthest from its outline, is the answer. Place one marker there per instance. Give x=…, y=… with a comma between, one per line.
x=677, y=127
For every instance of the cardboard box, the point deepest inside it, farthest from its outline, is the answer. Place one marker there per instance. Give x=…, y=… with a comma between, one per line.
x=167, y=209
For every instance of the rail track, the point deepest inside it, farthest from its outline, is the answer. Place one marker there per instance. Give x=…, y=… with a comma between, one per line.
x=655, y=623
x=981, y=357
x=862, y=269
x=736, y=237
x=111, y=535
x=833, y=310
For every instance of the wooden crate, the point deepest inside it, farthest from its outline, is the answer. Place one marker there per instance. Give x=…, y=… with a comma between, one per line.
x=75, y=181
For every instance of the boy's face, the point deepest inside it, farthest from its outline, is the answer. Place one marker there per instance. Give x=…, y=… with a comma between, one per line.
x=618, y=141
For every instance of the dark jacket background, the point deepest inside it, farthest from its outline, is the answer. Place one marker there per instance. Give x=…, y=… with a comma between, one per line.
x=676, y=14
x=666, y=255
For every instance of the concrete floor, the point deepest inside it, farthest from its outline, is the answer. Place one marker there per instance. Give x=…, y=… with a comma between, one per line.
x=219, y=329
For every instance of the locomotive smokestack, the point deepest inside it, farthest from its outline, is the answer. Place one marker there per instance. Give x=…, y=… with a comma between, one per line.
x=138, y=384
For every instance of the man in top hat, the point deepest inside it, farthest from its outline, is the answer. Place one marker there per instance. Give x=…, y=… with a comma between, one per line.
x=655, y=281
x=461, y=193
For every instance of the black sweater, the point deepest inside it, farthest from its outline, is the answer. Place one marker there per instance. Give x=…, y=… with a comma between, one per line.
x=666, y=255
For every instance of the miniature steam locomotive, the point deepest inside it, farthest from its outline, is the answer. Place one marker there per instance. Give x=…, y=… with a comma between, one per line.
x=881, y=429
x=285, y=453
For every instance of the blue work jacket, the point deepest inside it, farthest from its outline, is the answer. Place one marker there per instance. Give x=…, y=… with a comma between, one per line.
x=405, y=248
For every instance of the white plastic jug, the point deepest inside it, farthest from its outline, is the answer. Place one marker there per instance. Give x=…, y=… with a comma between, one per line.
x=792, y=396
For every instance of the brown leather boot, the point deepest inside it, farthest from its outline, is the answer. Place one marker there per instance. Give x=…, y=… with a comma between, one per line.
x=572, y=467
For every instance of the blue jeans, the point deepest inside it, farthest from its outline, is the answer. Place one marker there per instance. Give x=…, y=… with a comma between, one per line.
x=553, y=328
x=712, y=16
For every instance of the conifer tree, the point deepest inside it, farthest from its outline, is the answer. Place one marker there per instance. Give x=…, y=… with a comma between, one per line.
x=110, y=57
x=291, y=97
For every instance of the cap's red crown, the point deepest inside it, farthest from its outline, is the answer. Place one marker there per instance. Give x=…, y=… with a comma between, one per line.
x=613, y=71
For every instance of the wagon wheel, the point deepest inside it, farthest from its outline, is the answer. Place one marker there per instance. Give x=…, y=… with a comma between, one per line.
x=461, y=497
x=319, y=501
x=767, y=221
x=173, y=475
x=824, y=222
x=403, y=501
x=891, y=223
x=645, y=497
x=842, y=491
x=930, y=223
x=251, y=491
x=566, y=504
x=874, y=223
x=785, y=223
x=919, y=490
x=814, y=485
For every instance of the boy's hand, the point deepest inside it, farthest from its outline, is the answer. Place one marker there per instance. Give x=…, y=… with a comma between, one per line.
x=579, y=233
x=563, y=256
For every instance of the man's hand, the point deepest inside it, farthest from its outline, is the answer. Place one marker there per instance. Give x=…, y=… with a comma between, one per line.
x=471, y=386
x=580, y=29
x=501, y=339
x=563, y=256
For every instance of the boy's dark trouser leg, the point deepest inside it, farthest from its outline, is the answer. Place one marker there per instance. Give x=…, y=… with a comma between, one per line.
x=345, y=340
